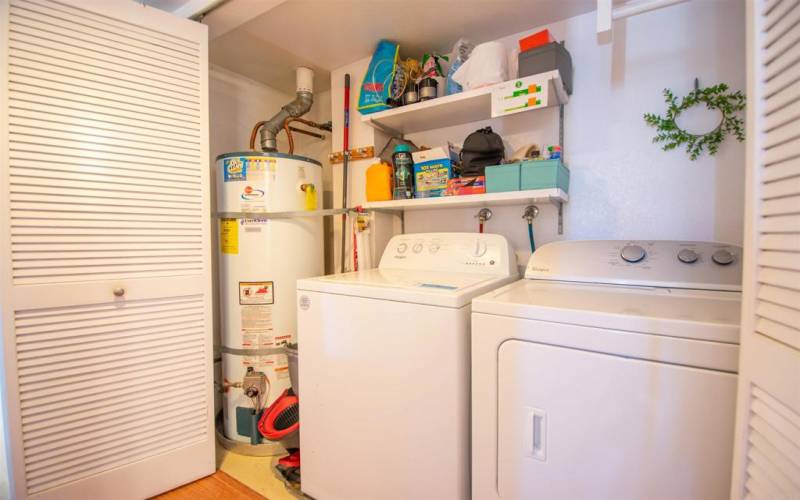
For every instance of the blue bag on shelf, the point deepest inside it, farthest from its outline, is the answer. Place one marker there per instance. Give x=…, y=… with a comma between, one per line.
x=377, y=83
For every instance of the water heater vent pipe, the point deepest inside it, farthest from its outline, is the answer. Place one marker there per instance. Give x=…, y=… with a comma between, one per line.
x=295, y=109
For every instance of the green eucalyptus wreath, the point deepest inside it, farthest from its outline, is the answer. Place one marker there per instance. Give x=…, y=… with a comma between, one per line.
x=716, y=97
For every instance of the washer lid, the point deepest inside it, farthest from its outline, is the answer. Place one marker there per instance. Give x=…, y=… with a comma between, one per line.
x=446, y=289
x=695, y=314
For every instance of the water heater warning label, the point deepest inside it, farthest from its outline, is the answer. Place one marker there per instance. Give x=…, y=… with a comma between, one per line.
x=256, y=292
x=229, y=236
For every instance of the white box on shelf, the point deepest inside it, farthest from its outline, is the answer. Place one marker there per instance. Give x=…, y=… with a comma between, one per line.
x=522, y=94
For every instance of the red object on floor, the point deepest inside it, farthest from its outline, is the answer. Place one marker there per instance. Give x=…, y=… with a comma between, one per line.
x=286, y=403
x=536, y=40
x=291, y=460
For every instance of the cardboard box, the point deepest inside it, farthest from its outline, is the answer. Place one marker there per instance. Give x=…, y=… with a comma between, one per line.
x=430, y=178
x=466, y=185
x=445, y=152
x=432, y=169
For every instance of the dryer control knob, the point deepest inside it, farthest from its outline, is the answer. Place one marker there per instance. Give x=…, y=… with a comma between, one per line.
x=687, y=256
x=632, y=253
x=723, y=257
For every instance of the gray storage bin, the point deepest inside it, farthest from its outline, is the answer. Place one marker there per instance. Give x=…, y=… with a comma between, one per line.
x=547, y=58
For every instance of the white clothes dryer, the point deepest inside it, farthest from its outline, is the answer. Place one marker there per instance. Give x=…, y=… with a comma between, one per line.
x=609, y=373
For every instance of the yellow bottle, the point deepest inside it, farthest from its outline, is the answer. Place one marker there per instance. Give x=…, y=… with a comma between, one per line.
x=379, y=182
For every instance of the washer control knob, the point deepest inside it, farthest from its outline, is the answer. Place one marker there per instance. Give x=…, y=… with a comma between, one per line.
x=417, y=248
x=402, y=247
x=632, y=253
x=433, y=248
x=480, y=248
x=687, y=256
x=723, y=257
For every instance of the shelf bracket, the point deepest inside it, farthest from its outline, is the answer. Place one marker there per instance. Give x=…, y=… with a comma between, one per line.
x=561, y=129
x=387, y=130
x=560, y=217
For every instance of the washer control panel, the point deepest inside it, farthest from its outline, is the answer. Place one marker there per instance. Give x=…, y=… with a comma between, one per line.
x=451, y=252
x=675, y=264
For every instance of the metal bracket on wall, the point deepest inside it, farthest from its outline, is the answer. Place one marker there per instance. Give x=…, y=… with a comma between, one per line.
x=560, y=217
x=561, y=129
x=355, y=154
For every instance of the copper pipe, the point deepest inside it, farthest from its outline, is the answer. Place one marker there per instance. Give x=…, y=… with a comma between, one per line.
x=307, y=132
x=288, y=129
x=254, y=133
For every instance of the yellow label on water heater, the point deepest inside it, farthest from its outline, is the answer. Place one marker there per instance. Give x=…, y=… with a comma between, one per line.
x=229, y=236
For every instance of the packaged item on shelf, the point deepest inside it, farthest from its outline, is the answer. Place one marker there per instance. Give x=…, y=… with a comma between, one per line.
x=527, y=152
x=521, y=94
x=430, y=178
x=403, y=172
x=461, y=51
x=553, y=152
x=502, y=178
x=428, y=89
x=376, y=87
x=544, y=58
x=481, y=148
x=432, y=169
x=466, y=185
x=447, y=151
x=379, y=182
x=487, y=64
x=544, y=174
x=535, y=40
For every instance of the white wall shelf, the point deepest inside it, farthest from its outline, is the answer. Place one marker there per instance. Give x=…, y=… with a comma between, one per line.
x=457, y=109
x=556, y=196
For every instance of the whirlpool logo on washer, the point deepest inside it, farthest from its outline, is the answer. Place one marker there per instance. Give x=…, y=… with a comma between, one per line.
x=540, y=269
x=305, y=302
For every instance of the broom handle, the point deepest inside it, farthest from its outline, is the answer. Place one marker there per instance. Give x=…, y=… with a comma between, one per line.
x=345, y=158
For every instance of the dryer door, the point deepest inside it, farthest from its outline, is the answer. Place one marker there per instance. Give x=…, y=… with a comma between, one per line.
x=578, y=424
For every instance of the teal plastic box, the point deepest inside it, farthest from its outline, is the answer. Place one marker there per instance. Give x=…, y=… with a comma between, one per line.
x=502, y=178
x=543, y=174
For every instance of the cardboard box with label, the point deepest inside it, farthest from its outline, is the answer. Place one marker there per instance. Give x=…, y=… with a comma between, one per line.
x=432, y=169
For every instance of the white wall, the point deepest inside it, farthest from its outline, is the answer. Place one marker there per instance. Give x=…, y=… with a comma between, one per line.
x=622, y=185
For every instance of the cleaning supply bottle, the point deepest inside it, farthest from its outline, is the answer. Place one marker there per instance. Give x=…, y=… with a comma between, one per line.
x=403, y=172
x=379, y=182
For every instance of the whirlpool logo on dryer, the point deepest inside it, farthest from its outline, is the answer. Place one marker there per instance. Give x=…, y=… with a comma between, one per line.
x=250, y=194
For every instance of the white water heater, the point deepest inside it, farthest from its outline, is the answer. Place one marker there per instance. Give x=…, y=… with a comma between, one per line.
x=261, y=259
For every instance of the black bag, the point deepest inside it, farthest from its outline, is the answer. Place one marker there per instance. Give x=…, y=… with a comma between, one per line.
x=481, y=148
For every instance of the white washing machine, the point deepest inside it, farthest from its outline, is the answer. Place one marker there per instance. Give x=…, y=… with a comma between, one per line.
x=384, y=369
x=609, y=373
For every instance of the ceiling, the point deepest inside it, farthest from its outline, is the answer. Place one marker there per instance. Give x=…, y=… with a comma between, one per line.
x=327, y=34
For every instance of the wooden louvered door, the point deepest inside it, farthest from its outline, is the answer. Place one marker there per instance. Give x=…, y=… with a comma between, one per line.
x=104, y=249
x=767, y=455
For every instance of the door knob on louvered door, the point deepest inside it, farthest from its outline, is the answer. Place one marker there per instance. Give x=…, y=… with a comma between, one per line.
x=119, y=291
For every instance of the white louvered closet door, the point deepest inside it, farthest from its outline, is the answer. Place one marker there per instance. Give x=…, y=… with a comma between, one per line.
x=104, y=249
x=767, y=455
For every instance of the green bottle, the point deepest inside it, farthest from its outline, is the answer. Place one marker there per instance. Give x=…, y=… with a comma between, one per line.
x=403, y=165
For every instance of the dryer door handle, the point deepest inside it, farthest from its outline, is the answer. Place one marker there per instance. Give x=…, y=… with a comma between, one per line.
x=536, y=433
